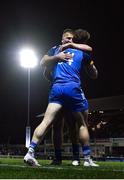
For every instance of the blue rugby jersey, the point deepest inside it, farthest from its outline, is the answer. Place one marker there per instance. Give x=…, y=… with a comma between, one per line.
x=69, y=71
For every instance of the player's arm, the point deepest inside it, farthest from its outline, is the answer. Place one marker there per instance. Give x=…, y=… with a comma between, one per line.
x=48, y=63
x=90, y=67
x=83, y=47
x=92, y=70
x=47, y=73
x=47, y=67
x=48, y=60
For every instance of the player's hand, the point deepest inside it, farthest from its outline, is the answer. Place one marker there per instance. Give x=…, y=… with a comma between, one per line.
x=65, y=46
x=62, y=56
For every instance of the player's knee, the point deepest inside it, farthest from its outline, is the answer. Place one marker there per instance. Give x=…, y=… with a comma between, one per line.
x=84, y=134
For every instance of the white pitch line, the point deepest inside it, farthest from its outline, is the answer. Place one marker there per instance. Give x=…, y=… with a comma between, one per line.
x=10, y=165
x=64, y=168
x=42, y=167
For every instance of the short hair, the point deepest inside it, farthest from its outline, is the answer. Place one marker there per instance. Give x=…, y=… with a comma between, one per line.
x=81, y=36
x=69, y=31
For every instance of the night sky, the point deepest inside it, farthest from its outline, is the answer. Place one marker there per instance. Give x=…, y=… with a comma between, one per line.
x=39, y=24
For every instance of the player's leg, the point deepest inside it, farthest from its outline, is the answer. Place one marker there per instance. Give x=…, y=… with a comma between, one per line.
x=40, y=131
x=74, y=136
x=58, y=126
x=84, y=137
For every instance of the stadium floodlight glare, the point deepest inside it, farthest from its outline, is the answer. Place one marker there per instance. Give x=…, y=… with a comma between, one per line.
x=28, y=58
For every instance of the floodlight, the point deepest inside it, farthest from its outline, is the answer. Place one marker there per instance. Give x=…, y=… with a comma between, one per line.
x=28, y=58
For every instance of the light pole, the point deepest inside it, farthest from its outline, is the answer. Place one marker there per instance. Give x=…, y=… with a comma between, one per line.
x=28, y=60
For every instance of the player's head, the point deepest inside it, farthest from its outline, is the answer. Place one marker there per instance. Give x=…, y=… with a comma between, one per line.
x=81, y=36
x=67, y=36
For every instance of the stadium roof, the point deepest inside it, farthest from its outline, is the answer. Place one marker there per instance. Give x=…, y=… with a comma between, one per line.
x=107, y=103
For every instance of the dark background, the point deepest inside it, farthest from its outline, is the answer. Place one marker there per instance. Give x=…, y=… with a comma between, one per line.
x=39, y=24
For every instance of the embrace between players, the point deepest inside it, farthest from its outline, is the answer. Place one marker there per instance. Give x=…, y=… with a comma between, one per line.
x=63, y=66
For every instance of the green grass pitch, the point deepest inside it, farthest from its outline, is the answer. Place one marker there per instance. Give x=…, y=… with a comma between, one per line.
x=13, y=168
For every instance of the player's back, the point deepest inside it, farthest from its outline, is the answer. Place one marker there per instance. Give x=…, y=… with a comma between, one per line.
x=67, y=71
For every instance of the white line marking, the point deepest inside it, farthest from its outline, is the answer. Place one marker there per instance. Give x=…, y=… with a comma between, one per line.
x=63, y=168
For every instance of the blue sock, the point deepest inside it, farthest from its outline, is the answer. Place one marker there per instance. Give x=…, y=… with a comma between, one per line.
x=75, y=149
x=32, y=146
x=58, y=154
x=86, y=151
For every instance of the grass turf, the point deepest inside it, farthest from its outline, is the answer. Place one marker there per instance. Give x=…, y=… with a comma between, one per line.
x=12, y=168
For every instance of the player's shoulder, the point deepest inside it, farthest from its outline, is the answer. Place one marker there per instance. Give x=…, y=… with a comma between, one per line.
x=52, y=50
x=55, y=47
